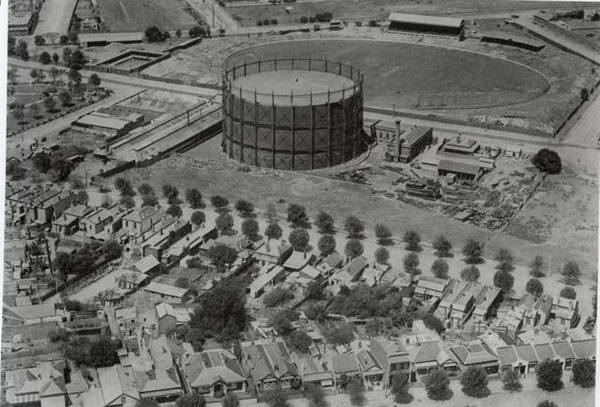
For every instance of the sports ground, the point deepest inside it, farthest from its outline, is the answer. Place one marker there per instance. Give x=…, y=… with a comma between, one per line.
x=416, y=76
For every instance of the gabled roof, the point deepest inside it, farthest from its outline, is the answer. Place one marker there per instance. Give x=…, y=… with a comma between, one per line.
x=584, y=349
x=544, y=351
x=210, y=367
x=428, y=352
x=507, y=355
x=473, y=354
x=145, y=264
x=334, y=259
x=166, y=289
x=298, y=260
x=367, y=361
x=564, y=350
x=526, y=352
x=268, y=358
x=344, y=363
x=357, y=265
x=459, y=167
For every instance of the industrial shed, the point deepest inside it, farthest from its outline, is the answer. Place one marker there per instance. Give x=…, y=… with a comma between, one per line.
x=511, y=40
x=447, y=26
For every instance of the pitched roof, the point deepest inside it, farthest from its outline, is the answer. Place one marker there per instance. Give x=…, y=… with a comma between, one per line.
x=268, y=358
x=459, y=167
x=344, y=363
x=526, y=352
x=166, y=289
x=473, y=354
x=212, y=366
x=428, y=352
x=585, y=348
x=544, y=351
x=357, y=265
x=298, y=260
x=563, y=349
x=428, y=20
x=145, y=264
x=417, y=134
x=507, y=355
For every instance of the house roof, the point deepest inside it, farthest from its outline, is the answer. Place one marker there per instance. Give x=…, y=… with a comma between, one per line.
x=145, y=264
x=526, y=352
x=585, y=348
x=544, y=351
x=166, y=289
x=564, y=350
x=115, y=382
x=459, y=167
x=344, y=363
x=26, y=312
x=298, y=260
x=268, y=358
x=212, y=366
x=357, y=265
x=432, y=283
x=473, y=354
x=507, y=355
x=367, y=361
x=427, y=20
x=334, y=259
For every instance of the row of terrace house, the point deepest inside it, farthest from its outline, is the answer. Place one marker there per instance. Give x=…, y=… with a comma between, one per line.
x=36, y=205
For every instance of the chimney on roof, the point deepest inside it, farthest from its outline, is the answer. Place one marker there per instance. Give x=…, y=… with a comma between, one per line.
x=397, y=140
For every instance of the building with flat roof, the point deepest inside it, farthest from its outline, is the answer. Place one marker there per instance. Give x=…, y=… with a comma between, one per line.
x=460, y=145
x=423, y=24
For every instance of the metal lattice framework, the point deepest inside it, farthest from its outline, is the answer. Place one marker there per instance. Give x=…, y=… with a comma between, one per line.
x=295, y=131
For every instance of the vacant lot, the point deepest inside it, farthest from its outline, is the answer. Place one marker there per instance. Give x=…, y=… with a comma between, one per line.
x=137, y=15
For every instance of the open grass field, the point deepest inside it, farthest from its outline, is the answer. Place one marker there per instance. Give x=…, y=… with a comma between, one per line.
x=415, y=76
x=137, y=15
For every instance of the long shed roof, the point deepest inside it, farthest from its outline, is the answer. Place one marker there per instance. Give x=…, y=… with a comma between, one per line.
x=428, y=20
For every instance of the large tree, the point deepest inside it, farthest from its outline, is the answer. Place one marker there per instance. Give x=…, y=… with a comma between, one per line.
x=297, y=216
x=504, y=280
x=245, y=208
x=535, y=287
x=276, y=397
x=230, y=400
x=354, y=227
x=315, y=396
x=300, y=341
x=353, y=248
x=548, y=161
x=222, y=311
x=222, y=255
x=584, y=373
x=470, y=274
x=219, y=203
x=273, y=231
x=325, y=223
x=277, y=296
x=473, y=250
x=383, y=234
x=568, y=292
x=194, y=198
x=440, y=268
x=382, y=255
x=224, y=222
x=511, y=382
x=437, y=385
x=356, y=391
x=174, y=211
x=505, y=260
x=250, y=228
x=326, y=245
x=474, y=382
x=103, y=353
x=571, y=273
x=549, y=375
x=413, y=241
x=411, y=264
x=442, y=247
x=198, y=218
x=537, y=267
x=299, y=239
x=400, y=386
